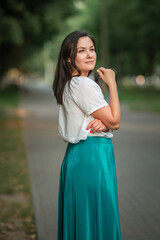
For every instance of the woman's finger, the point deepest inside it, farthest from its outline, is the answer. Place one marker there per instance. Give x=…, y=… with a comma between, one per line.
x=90, y=124
x=98, y=126
x=101, y=73
x=102, y=69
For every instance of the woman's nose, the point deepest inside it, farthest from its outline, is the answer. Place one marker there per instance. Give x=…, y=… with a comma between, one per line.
x=88, y=53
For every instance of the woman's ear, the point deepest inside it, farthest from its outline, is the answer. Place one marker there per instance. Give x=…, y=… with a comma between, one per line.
x=69, y=60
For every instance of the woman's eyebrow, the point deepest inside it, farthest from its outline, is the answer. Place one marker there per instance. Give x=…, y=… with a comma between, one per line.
x=84, y=47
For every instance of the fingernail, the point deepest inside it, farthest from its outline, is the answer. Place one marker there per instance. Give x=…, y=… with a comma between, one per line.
x=97, y=70
x=86, y=128
x=90, y=131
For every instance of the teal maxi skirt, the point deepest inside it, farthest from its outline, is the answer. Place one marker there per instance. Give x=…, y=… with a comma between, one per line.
x=88, y=199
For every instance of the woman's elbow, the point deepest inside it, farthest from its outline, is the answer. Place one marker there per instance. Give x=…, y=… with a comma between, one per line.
x=115, y=126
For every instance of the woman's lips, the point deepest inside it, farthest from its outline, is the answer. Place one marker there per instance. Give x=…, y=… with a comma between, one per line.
x=90, y=62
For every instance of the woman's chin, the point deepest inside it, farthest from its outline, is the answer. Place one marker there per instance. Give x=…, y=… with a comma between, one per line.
x=90, y=68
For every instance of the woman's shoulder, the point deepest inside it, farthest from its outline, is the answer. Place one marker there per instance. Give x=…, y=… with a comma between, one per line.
x=82, y=81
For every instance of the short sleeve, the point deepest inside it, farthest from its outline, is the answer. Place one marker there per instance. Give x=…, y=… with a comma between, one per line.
x=87, y=94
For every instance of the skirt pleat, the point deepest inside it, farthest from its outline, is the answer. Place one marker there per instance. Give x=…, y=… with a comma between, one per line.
x=88, y=199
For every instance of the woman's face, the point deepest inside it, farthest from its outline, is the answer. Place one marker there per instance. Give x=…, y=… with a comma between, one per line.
x=86, y=56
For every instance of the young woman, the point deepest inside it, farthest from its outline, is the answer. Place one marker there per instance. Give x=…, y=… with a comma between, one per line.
x=88, y=200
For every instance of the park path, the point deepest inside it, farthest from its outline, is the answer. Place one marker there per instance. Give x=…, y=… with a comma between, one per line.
x=137, y=152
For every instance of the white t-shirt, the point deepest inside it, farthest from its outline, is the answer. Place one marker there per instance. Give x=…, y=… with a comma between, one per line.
x=80, y=99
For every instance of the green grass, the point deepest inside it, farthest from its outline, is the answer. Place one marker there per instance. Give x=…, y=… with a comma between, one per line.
x=9, y=97
x=16, y=208
x=147, y=99
x=13, y=167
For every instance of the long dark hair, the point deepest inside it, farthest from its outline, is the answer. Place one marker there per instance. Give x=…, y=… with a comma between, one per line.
x=63, y=73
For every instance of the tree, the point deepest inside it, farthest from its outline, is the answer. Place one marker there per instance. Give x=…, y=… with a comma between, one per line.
x=133, y=34
x=26, y=25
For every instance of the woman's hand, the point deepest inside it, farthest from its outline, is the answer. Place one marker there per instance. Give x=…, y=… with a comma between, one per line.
x=96, y=126
x=107, y=75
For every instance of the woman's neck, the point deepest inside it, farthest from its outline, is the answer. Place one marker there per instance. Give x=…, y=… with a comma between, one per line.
x=83, y=74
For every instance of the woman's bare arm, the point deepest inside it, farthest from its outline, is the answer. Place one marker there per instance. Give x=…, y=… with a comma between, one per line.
x=109, y=115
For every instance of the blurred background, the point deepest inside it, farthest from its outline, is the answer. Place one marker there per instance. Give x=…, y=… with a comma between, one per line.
x=128, y=40
x=127, y=35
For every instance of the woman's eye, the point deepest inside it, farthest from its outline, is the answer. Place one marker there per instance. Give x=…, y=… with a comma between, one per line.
x=82, y=50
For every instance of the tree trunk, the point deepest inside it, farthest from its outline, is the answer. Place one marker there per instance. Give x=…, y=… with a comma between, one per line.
x=10, y=57
x=151, y=59
x=104, y=33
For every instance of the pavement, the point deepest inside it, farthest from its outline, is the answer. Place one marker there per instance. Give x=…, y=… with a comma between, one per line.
x=137, y=153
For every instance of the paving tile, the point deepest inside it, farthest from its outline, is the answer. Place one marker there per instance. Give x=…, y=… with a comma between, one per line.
x=137, y=155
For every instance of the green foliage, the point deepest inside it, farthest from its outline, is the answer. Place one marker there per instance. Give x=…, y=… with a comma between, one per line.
x=133, y=33
x=9, y=97
x=141, y=98
x=132, y=38
x=11, y=31
x=26, y=26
